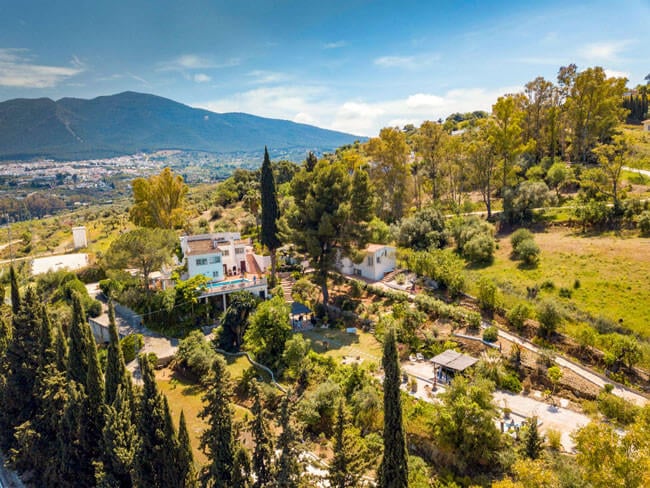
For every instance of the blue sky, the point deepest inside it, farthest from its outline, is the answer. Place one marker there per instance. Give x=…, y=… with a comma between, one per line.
x=355, y=65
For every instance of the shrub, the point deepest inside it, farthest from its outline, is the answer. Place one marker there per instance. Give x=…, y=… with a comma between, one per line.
x=527, y=385
x=547, y=285
x=644, y=223
x=576, y=284
x=528, y=251
x=130, y=346
x=510, y=382
x=519, y=236
x=565, y=292
x=518, y=315
x=491, y=334
x=487, y=294
x=479, y=249
x=554, y=439
x=549, y=317
x=195, y=353
x=95, y=308
x=617, y=408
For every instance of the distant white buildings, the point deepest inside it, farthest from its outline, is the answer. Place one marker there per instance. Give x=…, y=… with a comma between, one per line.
x=378, y=260
x=79, y=237
x=646, y=125
x=227, y=261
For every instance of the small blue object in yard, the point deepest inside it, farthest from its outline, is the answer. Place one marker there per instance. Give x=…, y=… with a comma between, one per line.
x=351, y=330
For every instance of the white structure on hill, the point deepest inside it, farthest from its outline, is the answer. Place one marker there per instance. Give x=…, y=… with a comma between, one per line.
x=378, y=260
x=79, y=237
x=646, y=125
x=227, y=261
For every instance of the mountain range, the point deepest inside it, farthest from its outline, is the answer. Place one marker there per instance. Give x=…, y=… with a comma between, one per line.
x=129, y=122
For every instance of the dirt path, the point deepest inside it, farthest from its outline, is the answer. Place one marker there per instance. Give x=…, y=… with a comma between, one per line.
x=643, y=172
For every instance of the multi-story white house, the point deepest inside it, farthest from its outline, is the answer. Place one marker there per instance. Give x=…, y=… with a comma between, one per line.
x=379, y=259
x=229, y=263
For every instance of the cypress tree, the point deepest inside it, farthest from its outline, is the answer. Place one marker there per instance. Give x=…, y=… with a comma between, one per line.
x=263, y=452
x=270, y=211
x=347, y=466
x=185, y=458
x=116, y=373
x=218, y=439
x=310, y=162
x=119, y=443
x=19, y=368
x=157, y=447
x=93, y=416
x=71, y=465
x=393, y=471
x=288, y=470
x=15, y=291
x=534, y=441
x=78, y=343
x=241, y=474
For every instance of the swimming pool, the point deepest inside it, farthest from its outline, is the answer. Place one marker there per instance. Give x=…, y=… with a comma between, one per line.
x=216, y=284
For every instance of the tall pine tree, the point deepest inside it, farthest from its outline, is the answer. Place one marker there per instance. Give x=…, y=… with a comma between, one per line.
x=19, y=366
x=393, y=471
x=534, y=441
x=155, y=457
x=185, y=459
x=15, y=291
x=119, y=443
x=288, y=469
x=78, y=343
x=218, y=439
x=263, y=452
x=241, y=469
x=116, y=374
x=270, y=212
x=347, y=466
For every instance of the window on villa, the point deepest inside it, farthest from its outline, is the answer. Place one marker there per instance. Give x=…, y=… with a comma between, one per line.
x=201, y=261
x=225, y=252
x=215, y=274
x=378, y=259
x=239, y=250
x=369, y=260
x=215, y=259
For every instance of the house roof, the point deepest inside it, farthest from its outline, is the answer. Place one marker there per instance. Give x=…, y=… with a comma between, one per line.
x=203, y=246
x=451, y=359
x=647, y=121
x=374, y=247
x=299, y=309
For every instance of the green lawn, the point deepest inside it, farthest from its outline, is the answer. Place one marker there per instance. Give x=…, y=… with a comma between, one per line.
x=338, y=343
x=614, y=274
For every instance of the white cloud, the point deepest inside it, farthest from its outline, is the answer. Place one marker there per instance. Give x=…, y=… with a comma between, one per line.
x=603, y=51
x=317, y=105
x=18, y=70
x=263, y=77
x=201, y=78
x=612, y=73
x=407, y=62
x=334, y=45
x=195, y=62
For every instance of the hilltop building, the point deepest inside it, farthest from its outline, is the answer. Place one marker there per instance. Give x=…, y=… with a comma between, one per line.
x=79, y=237
x=646, y=125
x=227, y=261
x=378, y=260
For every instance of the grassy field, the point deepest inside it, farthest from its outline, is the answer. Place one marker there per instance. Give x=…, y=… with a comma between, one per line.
x=338, y=343
x=186, y=395
x=613, y=274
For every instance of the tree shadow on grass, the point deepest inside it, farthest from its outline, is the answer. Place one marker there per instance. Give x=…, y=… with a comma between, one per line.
x=524, y=266
x=188, y=386
x=323, y=340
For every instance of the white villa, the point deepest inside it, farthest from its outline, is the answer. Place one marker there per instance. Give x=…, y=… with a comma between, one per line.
x=646, y=125
x=379, y=259
x=228, y=261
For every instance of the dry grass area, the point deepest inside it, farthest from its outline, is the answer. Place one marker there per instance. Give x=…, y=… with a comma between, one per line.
x=613, y=273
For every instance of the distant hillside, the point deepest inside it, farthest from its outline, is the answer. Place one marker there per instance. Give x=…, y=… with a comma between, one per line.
x=130, y=122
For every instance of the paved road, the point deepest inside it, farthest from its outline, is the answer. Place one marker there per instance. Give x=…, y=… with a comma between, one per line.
x=8, y=479
x=643, y=172
x=557, y=418
x=581, y=371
